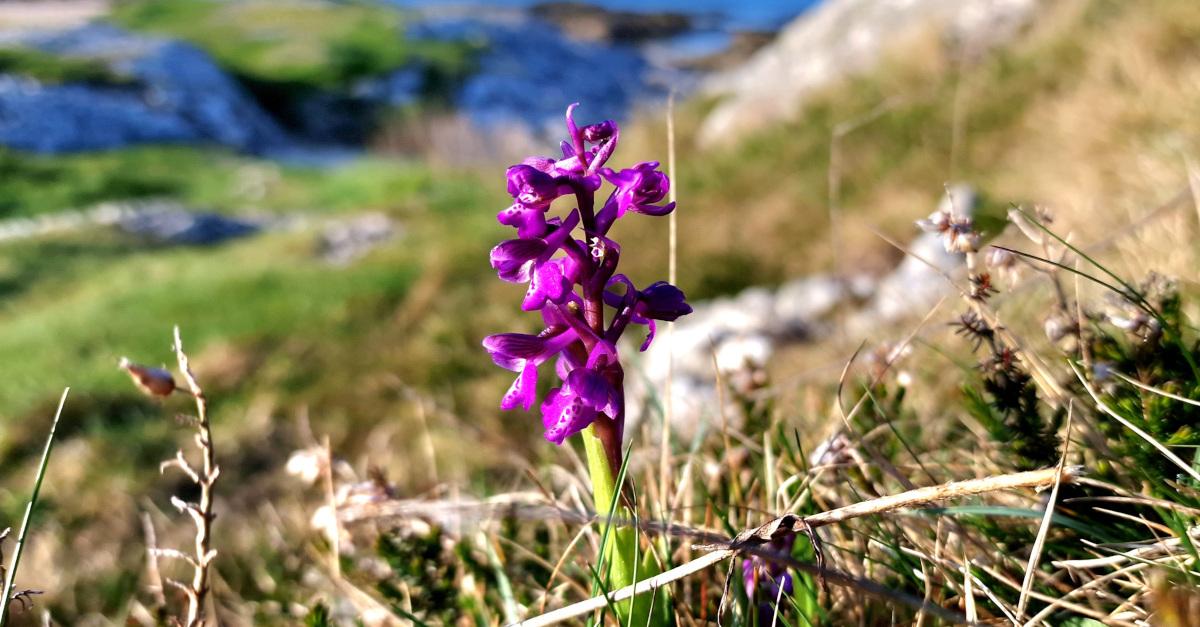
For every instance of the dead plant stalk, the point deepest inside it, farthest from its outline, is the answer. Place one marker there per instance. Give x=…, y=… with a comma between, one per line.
x=201, y=512
x=750, y=539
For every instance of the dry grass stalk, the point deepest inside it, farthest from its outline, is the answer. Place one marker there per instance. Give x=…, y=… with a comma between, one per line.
x=200, y=512
x=1039, y=543
x=9, y=593
x=749, y=541
x=664, y=459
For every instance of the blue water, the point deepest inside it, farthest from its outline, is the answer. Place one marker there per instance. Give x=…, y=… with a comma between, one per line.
x=734, y=14
x=529, y=70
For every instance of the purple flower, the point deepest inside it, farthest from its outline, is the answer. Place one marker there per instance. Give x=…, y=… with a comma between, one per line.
x=516, y=260
x=523, y=353
x=532, y=190
x=604, y=135
x=567, y=287
x=659, y=301
x=602, y=131
x=587, y=392
x=550, y=283
x=637, y=189
x=662, y=301
x=766, y=580
x=564, y=415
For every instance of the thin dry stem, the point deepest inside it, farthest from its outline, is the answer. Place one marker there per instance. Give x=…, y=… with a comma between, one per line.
x=152, y=571
x=1035, y=553
x=664, y=455
x=750, y=540
x=201, y=512
x=335, y=565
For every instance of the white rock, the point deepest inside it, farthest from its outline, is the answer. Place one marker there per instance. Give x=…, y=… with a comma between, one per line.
x=840, y=38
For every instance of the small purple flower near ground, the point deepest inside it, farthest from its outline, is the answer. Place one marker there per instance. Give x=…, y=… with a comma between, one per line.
x=574, y=283
x=767, y=581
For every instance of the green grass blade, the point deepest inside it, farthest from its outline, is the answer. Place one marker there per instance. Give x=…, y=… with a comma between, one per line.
x=11, y=576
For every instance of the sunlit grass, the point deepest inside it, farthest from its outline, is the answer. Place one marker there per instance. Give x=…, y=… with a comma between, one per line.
x=302, y=42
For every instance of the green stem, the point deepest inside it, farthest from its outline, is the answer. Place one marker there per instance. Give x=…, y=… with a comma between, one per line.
x=618, y=562
x=11, y=576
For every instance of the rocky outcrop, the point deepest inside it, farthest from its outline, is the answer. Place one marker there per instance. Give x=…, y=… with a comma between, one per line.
x=181, y=227
x=343, y=242
x=529, y=71
x=588, y=22
x=741, y=333
x=840, y=38
x=174, y=93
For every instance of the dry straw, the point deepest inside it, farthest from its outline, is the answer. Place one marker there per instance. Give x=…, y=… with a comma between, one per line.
x=750, y=541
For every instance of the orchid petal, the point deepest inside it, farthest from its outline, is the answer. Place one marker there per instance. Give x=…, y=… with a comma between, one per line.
x=523, y=392
x=564, y=415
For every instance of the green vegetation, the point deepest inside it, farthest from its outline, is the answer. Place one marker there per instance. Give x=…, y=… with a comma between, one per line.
x=1088, y=113
x=306, y=43
x=37, y=184
x=55, y=69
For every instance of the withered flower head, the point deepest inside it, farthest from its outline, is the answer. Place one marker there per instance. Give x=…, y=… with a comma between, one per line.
x=152, y=381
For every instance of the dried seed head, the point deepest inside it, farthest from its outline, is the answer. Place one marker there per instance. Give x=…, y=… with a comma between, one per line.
x=974, y=328
x=957, y=233
x=981, y=286
x=152, y=381
x=962, y=237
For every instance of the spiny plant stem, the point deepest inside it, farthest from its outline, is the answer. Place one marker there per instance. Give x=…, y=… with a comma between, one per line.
x=11, y=576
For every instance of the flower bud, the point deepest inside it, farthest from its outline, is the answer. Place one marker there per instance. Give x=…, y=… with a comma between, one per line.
x=662, y=301
x=599, y=131
x=152, y=381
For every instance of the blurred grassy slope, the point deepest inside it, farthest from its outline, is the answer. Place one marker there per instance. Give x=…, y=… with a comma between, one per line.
x=52, y=69
x=1089, y=113
x=752, y=213
x=36, y=184
x=311, y=43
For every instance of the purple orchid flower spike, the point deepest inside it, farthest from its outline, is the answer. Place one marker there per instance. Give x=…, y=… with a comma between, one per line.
x=569, y=280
